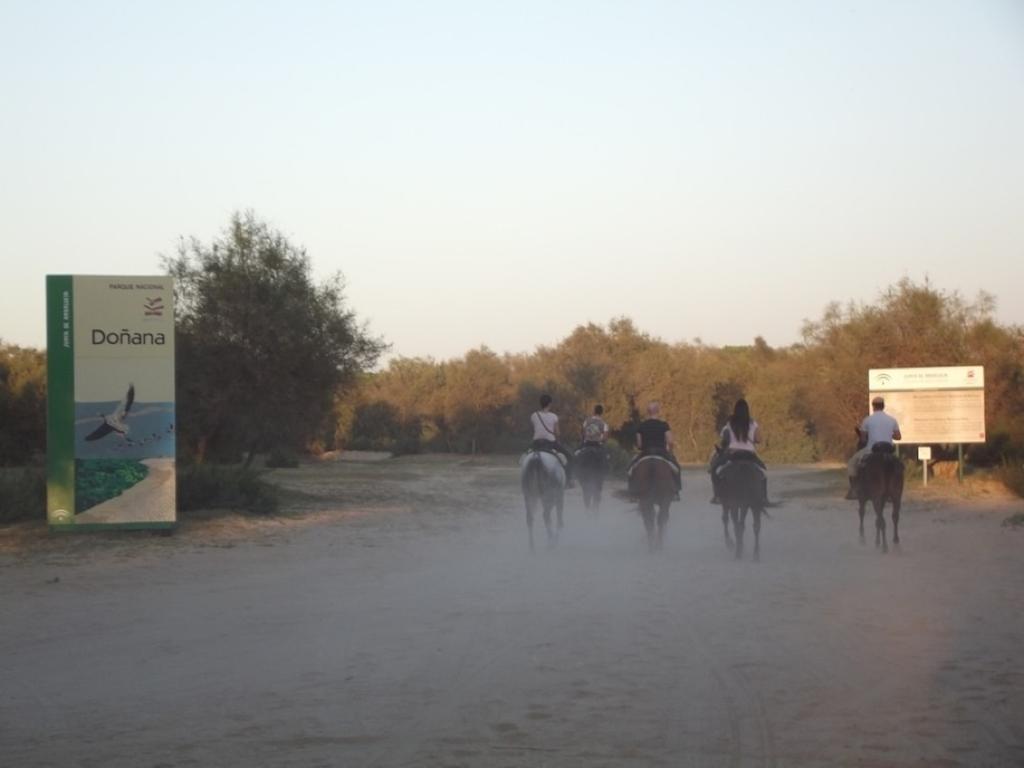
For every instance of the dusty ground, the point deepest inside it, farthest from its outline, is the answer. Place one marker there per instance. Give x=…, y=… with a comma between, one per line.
x=396, y=618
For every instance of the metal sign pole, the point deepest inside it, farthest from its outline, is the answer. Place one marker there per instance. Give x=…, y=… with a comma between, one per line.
x=924, y=453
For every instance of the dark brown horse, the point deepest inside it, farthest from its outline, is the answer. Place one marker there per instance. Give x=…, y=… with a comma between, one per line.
x=880, y=479
x=653, y=484
x=742, y=489
x=591, y=469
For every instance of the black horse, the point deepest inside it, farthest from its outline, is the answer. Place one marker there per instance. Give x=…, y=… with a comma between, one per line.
x=880, y=479
x=591, y=468
x=742, y=489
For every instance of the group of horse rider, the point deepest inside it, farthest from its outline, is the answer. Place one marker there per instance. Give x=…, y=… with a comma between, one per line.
x=653, y=437
x=738, y=440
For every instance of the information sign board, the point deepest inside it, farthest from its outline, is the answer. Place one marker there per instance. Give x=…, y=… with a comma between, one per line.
x=933, y=405
x=110, y=402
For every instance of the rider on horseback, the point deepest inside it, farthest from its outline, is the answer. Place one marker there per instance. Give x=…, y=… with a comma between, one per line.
x=654, y=438
x=595, y=429
x=877, y=433
x=739, y=439
x=545, y=436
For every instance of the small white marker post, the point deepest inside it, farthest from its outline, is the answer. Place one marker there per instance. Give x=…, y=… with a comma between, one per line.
x=924, y=453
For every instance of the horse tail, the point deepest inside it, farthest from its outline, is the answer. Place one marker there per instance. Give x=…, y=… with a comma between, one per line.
x=533, y=476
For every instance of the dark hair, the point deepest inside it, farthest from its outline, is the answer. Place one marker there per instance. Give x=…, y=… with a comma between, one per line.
x=739, y=422
x=545, y=401
x=598, y=410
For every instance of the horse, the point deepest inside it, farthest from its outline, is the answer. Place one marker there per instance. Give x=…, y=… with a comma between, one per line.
x=542, y=479
x=880, y=479
x=653, y=483
x=742, y=489
x=591, y=468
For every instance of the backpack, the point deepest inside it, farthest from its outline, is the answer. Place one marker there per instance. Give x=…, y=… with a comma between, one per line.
x=593, y=430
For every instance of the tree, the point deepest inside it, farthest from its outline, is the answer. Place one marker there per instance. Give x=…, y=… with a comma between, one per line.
x=22, y=403
x=262, y=349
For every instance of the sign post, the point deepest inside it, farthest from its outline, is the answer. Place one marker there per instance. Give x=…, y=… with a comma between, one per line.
x=110, y=430
x=924, y=453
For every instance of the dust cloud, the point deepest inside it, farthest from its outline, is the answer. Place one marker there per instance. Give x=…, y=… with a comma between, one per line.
x=395, y=617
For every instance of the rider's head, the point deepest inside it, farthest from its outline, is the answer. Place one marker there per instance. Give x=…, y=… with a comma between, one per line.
x=545, y=401
x=878, y=403
x=741, y=409
x=653, y=408
x=598, y=410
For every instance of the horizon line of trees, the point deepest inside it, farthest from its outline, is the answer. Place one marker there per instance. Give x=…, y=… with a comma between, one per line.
x=807, y=396
x=271, y=361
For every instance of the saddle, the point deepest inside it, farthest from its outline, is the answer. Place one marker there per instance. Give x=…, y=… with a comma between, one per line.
x=547, y=449
x=651, y=457
x=744, y=457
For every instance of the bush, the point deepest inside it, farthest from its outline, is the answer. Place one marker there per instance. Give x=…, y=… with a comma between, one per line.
x=1012, y=476
x=206, y=486
x=283, y=458
x=618, y=458
x=22, y=494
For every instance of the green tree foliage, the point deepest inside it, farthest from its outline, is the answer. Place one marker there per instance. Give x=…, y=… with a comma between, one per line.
x=22, y=404
x=807, y=397
x=263, y=351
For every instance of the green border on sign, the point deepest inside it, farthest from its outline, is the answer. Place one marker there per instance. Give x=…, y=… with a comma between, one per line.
x=76, y=527
x=60, y=401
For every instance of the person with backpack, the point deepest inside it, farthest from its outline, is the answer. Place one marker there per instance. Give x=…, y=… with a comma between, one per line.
x=595, y=429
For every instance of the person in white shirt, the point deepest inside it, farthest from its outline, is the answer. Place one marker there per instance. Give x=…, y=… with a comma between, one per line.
x=877, y=433
x=739, y=439
x=545, y=435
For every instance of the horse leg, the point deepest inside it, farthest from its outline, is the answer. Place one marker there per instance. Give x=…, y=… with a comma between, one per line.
x=725, y=527
x=547, y=523
x=862, y=503
x=647, y=512
x=662, y=522
x=739, y=522
x=529, y=523
x=880, y=524
x=757, y=532
x=897, y=500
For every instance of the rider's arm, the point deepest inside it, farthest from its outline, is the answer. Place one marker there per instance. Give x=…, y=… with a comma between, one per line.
x=669, y=442
x=896, y=435
x=639, y=442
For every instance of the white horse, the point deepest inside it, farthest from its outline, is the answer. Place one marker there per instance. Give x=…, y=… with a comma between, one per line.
x=542, y=478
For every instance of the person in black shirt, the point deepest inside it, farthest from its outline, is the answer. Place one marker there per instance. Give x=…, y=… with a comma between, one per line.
x=654, y=436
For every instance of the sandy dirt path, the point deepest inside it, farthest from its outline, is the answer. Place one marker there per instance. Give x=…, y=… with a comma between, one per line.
x=403, y=622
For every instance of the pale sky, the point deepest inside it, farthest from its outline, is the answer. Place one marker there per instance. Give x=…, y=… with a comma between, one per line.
x=498, y=173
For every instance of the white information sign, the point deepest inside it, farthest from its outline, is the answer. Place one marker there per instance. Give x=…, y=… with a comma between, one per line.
x=933, y=405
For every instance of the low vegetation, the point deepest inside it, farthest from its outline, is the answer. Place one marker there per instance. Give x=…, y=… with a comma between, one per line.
x=217, y=486
x=22, y=494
